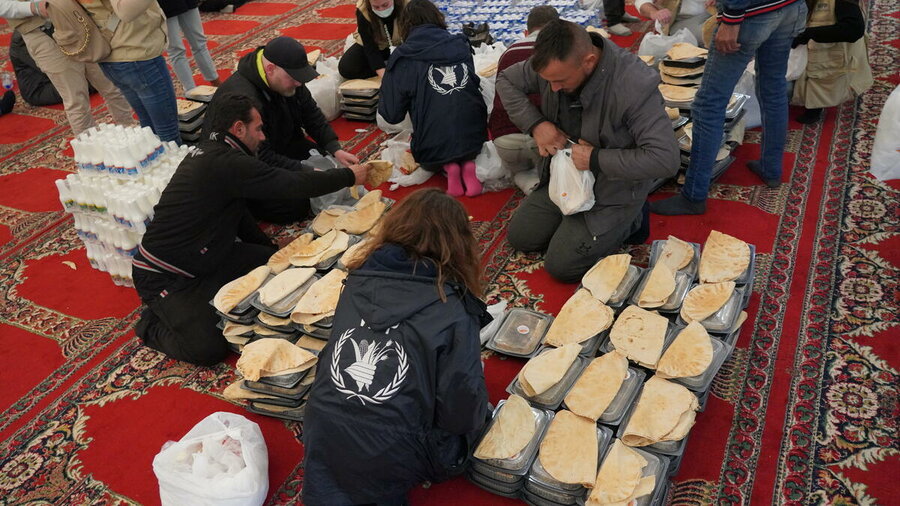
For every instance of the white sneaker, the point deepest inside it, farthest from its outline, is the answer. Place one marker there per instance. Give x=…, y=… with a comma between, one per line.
x=628, y=18
x=620, y=30
x=228, y=9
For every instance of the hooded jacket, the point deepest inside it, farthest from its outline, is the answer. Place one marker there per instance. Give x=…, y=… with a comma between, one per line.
x=400, y=393
x=286, y=120
x=432, y=77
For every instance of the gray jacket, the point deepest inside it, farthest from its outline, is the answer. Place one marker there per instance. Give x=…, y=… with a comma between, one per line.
x=623, y=117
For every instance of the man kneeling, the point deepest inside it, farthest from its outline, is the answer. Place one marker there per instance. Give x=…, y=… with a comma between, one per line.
x=606, y=101
x=203, y=236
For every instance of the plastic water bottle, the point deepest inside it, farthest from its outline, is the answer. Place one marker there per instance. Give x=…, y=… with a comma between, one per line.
x=7, y=79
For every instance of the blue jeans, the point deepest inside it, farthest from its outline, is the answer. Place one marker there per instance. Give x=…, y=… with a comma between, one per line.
x=767, y=37
x=189, y=24
x=148, y=87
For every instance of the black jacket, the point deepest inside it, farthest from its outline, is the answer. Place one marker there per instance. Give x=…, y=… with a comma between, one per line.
x=175, y=7
x=286, y=120
x=203, y=209
x=432, y=77
x=34, y=85
x=426, y=401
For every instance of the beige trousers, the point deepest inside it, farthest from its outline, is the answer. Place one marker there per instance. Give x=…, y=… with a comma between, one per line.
x=71, y=78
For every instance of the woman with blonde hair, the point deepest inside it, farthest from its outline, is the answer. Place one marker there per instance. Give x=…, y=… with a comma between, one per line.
x=400, y=394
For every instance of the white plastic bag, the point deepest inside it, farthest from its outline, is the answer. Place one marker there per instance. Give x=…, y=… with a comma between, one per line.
x=572, y=190
x=393, y=128
x=341, y=197
x=886, y=149
x=796, y=62
x=656, y=45
x=394, y=150
x=484, y=57
x=489, y=169
x=324, y=89
x=222, y=461
x=496, y=311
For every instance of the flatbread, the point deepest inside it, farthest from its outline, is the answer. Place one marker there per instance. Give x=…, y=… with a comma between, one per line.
x=281, y=259
x=313, y=56
x=659, y=286
x=338, y=245
x=724, y=258
x=309, y=319
x=639, y=335
x=408, y=164
x=368, y=199
x=488, y=70
x=581, y=318
x=324, y=221
x=598, y=385
x=353, y=251
x=511, y=431
x=680, y=71
x=373, y=83
x=322, y=296
x=237, y=290
x=274, y=321
x=379, y=172
x=684, y=50
x=316, y=247
x=665, y=411
x=234, y=392
x=619, y=475
x=606, y=275
x=677, y=93
x=281, y=285
x=599, y=31
x=361, y=220
x=648, y=59
x=545, y=370
x=690, y=354
x=311, y=343
x=704, y=300
x=676, y=254
x=569, y=449
x=673, y=113
x=273, y=357
x=236, y=329
x=679, y=81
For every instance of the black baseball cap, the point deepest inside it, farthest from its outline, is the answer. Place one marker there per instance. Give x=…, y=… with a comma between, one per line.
x=290, y=55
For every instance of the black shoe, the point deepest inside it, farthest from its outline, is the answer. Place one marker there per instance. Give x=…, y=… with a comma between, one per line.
x=755, y=168
x=677, y=205
x=640, y=235
x=810, y=116
x=7, y=102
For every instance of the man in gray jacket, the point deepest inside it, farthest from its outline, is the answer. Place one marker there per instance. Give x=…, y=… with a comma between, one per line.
x=606, y=101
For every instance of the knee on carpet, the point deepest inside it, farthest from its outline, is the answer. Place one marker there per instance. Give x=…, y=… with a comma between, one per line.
x=522, y=238
x=562, y=269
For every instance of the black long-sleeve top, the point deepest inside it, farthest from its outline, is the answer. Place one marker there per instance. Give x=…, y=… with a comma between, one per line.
x=850, y=26
x=377, y=57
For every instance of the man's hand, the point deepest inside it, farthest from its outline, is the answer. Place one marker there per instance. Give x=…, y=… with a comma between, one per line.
x=664, y=16
x=361, y=171
x=347, y=159
x=380, y=72
x=726, y=38
x=581, y=155
x=548, y=138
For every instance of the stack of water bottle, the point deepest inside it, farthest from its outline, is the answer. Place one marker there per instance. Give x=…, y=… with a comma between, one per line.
x=122, y=172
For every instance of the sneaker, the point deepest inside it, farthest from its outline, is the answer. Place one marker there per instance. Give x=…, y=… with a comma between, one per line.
x=7, y=102
x=628, y=18
x=620, y=30
x=228, y=9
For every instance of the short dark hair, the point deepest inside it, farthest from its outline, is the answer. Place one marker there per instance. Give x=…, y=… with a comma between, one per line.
x=228, y=109
x=540, y=16
x=420, y=12
x=559, y=40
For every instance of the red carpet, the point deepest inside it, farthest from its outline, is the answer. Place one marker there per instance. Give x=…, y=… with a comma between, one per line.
x=806, y=410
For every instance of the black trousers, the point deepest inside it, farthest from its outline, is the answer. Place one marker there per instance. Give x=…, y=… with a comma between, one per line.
x=614, y=10
x=182, y=324
x=355, y=65
x=285, y=211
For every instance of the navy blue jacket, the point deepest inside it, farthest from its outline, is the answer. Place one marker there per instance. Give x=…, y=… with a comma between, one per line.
x=432, y=77
x=399, y=395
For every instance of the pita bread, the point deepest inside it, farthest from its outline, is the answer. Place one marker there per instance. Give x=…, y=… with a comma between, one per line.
x=598, y=385
x=379, y=172
x=680, y=71
x=648, y=59
x=684, y=50
x=605, y=276
x=690, y=354
x=274, y=321
x=361, y=220
x=511, y=431
x=316, y=247
x=236, y=329
x=673, y=113
x=680, y=81
x=239, y=289
x=704, y=300
x=639, y=335
x=677, y=93
x=599, y=31
x=581, y=318
x=324, y=221
x=272, y=357
x=724, y=258
x=488, y=70
x=665, y=411
x=619, y=475
x=408, y=164
x=338, y=245
x=545, y=370
x=659, y=286
x=281, y=285
x=311, y=343
x=234, y=392
x=264, y=331
x=373, y=83
x=353, y=251
x=309, y=319
x=322, y=296
x=676, y=254
x=569, y=449
x=313, y=56
x=281, y=259
x=368, y=199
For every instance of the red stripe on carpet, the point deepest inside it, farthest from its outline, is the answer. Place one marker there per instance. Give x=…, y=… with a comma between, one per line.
x=32, y=190
x=320, y=31
x=264, y=8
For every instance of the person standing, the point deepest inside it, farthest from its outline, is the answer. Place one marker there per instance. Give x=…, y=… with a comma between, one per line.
x=183, y=17
x=616, y=17
x=376, y=32
x=69, y=77
x=690, y=14
x=760, y=29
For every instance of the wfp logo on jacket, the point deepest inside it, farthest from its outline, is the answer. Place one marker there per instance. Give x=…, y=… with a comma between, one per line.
x=449, y=78
x=368, y=368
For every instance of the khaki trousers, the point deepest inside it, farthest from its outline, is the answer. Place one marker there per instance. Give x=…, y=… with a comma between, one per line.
x=71, y=78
